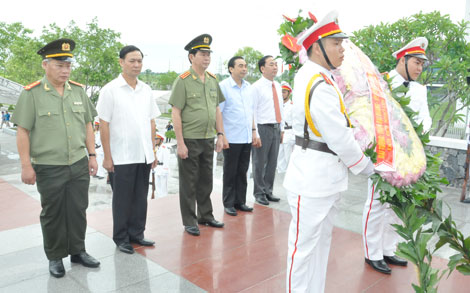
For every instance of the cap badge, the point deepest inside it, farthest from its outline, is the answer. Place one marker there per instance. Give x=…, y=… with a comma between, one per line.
x=206, y=40
x=65, y=47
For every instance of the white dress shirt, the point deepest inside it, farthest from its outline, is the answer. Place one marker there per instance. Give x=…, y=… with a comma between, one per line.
x=237, y=111
x=129, y=113
x=263, y=102
x=418, y=99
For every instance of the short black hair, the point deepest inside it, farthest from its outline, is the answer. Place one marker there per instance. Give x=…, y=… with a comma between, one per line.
x=127, y=49
x=231, y=62
x=192, y=52
x=262, y=62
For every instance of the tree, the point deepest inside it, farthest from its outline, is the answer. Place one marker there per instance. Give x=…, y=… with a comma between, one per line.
x=165, y=80
x=96, y=53
x=251, y=57
x=448, y=53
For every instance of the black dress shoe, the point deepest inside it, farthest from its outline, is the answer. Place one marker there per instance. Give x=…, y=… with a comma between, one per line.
x=143, y=242
x=126, y=248
x=272, y=198
x=243, y=208
x=395, y=260
x=56, y=268
x=379, y=266
x=85, y=259
x=213, y=223
x=231, y=211
x=193, y=230
x=262, y=200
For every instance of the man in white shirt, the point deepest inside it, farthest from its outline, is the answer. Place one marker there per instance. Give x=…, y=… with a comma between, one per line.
x=237, y=114
x=325, y=149
x=379, y=237
x=267, y=106
x=127, y=110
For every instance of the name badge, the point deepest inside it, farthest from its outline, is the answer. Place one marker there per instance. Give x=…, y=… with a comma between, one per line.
x=77, y=103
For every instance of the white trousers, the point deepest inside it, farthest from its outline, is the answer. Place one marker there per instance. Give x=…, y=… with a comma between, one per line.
x=309, y=241
x=161, y=188
x=379, y=237
x=285, y=150
x=99, y=160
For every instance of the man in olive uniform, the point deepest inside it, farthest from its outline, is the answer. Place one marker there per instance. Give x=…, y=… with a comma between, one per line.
x=197, y=118
x=55, y=132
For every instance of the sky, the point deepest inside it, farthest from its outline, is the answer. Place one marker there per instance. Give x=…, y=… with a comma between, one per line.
x=161, y=29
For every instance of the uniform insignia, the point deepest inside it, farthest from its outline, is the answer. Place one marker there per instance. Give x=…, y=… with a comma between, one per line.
x=76, y=83
x=327, y=80
x=185, y=74
x=212, y=74
x=65, y=47
x=30, y=86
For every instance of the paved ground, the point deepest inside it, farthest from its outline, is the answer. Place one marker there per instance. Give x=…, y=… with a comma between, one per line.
x=184, y=264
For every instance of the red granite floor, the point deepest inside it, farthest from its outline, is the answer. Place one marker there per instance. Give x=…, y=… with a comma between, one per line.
x=248, y=255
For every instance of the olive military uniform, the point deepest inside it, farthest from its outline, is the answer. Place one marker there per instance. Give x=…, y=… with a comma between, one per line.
x=197, y=101
x=57, y=126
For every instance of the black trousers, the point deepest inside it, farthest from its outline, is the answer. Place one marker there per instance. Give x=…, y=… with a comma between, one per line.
x=195, y=181
x=64, y=200
x=236, y=163
x=130, y=184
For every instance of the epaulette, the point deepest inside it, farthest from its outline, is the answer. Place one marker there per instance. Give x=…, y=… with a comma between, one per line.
x=212, y=74
x=327, y=80
x=30, y=86
x=185, y=74
x=76, y=83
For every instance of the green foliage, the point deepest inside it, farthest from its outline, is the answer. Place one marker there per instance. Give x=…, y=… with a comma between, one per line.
x=289, y=57
x=96, y=53
x=11, y=108
x=170, y=134
x=251, y=57
x=448, y=53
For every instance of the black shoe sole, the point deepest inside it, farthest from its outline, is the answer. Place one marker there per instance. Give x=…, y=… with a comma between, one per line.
x=396, y=264
x=378, y=270
x=57, y=275
x=125, y=250
x=85, y=264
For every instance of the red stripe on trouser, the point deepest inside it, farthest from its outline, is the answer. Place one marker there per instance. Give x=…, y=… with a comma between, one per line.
x=295, y=245
x=367, y=220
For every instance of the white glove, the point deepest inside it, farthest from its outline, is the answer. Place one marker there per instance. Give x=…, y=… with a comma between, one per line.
x=369, y=169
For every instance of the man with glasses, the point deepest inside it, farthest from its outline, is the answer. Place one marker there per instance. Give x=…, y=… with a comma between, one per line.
x=55, y=133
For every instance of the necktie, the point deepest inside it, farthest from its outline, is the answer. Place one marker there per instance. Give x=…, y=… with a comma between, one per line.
x=276, y=105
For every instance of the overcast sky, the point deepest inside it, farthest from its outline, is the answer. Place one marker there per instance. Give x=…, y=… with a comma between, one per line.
x=161, y=29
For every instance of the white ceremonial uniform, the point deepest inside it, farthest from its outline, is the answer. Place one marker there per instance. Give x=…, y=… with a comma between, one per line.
x=288, y=142
x=162, y=170
x=99, y=155
x=379, y=237
x=315, y=179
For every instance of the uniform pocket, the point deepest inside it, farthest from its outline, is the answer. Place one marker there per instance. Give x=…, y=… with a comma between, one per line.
x=48, y=117
x=337, y=171
x=79, y=113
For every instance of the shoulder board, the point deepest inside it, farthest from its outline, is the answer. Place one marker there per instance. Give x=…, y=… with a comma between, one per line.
x=185, y=74
x=30, y=86
x=76, y=83
x=212, y=74
x=327, y=80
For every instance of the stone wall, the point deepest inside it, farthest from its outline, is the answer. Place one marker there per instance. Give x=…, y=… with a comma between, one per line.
x=453, y=154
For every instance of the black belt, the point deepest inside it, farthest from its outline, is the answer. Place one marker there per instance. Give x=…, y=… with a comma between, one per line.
x=287, y=127
x=274, y=125
x=314, y=145
x=159, y=163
